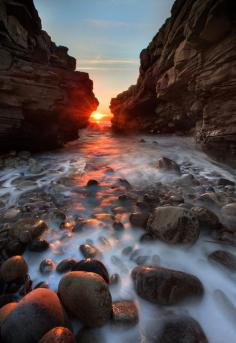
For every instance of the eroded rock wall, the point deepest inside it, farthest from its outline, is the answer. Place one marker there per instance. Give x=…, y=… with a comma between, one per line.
x=43, y=100
x=187, y=80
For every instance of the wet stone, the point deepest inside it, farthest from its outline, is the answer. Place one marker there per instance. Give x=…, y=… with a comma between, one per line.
x=139, y=219
x=65, y=265
x=114, y=279
x=225, y=182
x=47, y=266
x=38, y=245
x=14, y=268
x=127, y=250
x=168, y=165
x=174, y=329
x=89, y=251
x=124, y=313
x=224, y=258
x=92, y=183
x=165, y=286
x=92, y=265
x=118, y=226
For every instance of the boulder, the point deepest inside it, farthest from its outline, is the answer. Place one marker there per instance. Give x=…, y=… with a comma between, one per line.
x=65, y=265
x=224, y=258
x=229, y=215
x=28, y=229
x=165, y=286
x=124, y=313
x=38, y=245
x=89, y=251
x=86, y=296
x=94, y=266
x=176, y=329
x=47, y=266
x=168, y=165
x=36, y=314
x=174, y=225
x=58, y=335
x=13, y=269
x=5, y=311
x=206, y=218
x=139, y=219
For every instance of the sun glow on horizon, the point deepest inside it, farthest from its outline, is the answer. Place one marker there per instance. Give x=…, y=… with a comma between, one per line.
x=97, y=117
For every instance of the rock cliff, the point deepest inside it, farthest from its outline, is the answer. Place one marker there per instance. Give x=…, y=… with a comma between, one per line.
x=43, y=100
x=187, y=80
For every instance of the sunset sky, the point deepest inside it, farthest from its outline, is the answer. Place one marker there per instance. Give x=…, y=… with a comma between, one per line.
x=106, y=37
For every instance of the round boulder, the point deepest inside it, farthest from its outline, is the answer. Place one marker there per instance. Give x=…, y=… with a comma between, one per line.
x=5, y=311
x=165, y=286
x=173, y=225
x=86, y=296
x=28, y=229
x=124, y=313
x=58, y=335
x=37, y=313
x=94, y=266
x=176, y=329
x=206, y=218
x=14, y=268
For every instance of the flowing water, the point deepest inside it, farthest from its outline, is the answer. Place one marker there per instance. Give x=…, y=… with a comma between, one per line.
x=110, y=158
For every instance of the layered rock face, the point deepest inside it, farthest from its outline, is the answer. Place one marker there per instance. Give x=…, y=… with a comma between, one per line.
x=43, y=100
x=187, y=78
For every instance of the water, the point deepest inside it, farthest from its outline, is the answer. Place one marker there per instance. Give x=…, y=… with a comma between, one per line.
x=64, y=175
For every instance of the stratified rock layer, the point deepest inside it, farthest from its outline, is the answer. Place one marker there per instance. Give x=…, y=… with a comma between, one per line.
x=187, y=77
x=43, y=100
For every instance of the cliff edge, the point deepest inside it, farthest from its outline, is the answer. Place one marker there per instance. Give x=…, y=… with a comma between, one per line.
x=43, y=100
x=187, y=80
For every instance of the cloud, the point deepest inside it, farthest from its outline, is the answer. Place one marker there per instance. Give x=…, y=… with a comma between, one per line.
x=105, y=64
x=99, y=61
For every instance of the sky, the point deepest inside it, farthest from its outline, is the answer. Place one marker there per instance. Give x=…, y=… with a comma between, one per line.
x=105, y=36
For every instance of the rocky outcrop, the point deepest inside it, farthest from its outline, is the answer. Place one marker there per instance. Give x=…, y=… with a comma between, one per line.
x=187, y=77
x=43, y=100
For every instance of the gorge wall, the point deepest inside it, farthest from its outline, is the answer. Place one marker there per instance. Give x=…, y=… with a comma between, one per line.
x=187, y=80
x=43, y=100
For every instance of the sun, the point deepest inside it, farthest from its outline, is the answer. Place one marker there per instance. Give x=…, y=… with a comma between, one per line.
x=97, y=117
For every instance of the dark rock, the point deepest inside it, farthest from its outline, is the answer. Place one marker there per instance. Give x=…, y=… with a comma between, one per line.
x=225, y=182
x=114, y=279
x=224, y=258
x=118, y=226
x=5, y=311
x=13, y=269
x=139, y=219
x=174, y=225
x=89, y=251
x=26, y=230
x=8, y=298
x=47, y=266
x=92, y=183
x=206, y=218
x=44, y=101
x=58, y=335
x=86, y=296
x=165, y=164
x=94, y=266
x=42, y=284
x=178, y=89
x=37, y=313
x=165, y=286
x=86, y=335
x=38, y=245
x=124, y=313
x=65, y=265
x=176, y=329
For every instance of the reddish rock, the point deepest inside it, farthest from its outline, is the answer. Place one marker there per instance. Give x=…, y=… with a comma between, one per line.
x=44, y=101
x=187, y=78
